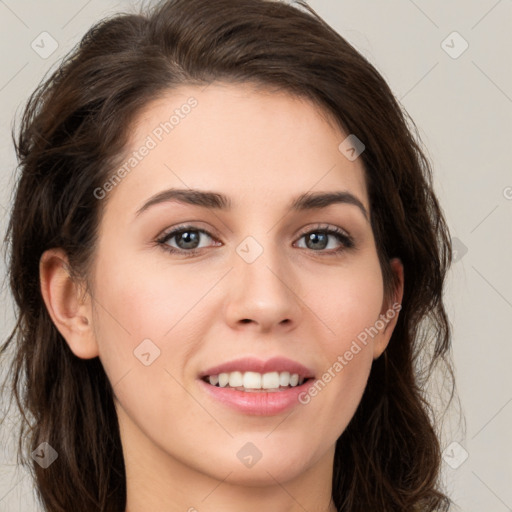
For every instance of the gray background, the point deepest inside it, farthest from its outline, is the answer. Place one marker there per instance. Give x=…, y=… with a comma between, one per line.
x=462, y=104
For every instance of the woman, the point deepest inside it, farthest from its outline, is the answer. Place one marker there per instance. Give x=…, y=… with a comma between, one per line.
x=227, y=257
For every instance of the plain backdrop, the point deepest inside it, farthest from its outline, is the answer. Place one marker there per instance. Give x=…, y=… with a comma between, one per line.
x=449, y=65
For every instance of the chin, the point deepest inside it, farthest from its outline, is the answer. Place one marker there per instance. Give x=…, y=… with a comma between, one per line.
x=259, y=464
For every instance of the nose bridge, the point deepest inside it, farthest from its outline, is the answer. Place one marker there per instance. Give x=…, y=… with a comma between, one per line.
x=263, y=289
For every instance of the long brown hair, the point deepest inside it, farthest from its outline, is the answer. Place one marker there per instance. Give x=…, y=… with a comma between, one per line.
x=73, y=132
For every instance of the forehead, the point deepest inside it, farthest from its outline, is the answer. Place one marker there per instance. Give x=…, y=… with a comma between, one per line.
x=253, y=144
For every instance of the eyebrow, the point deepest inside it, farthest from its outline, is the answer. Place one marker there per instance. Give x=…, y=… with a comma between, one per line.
x=218, y=201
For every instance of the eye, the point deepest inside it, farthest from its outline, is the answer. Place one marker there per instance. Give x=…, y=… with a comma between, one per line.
x=318, y=239
x=187, y=239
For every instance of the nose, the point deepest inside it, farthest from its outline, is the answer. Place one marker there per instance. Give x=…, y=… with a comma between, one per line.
x=264, y=293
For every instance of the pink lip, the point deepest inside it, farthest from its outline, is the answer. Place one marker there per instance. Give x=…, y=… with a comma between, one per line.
x=250, y=364
x=261, y=403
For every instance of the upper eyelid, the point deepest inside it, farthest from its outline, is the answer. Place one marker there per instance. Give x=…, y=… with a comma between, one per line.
x=172, y=232
x=324, y=227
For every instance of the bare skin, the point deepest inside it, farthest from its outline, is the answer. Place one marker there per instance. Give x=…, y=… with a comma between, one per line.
x=296, y=299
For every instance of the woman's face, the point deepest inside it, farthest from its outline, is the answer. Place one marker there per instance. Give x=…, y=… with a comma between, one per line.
x=251, y=277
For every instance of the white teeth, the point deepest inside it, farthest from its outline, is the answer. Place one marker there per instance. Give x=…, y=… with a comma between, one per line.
x=270, y=380
x=284, y=378
x=255, y=380
x=223, y=380
x=252, y=380
x=235, y=379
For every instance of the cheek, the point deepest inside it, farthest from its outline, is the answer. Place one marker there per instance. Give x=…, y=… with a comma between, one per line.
x=147, y=301
x=349, y=308
x=348, y=301
x=136, y=302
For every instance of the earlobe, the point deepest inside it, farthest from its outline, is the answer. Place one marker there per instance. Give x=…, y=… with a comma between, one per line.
x=69, y=308
x=390, y=311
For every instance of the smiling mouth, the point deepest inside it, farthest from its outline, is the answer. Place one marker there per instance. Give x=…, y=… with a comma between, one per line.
x=254, y=382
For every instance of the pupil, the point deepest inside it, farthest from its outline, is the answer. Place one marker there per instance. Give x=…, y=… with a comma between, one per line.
x=315, y=237
x=190, y=237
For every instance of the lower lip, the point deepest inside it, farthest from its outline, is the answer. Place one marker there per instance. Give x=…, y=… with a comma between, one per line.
x=260, y=403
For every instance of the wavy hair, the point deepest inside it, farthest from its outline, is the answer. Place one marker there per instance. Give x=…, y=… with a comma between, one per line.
x=72, y=134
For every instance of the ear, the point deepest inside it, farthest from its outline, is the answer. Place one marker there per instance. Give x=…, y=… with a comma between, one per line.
x=390, y=310
x=68, y=306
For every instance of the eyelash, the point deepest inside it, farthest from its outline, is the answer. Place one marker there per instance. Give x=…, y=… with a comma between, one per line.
x=346, y=240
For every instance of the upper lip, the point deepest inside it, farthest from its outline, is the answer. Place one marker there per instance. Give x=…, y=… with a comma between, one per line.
x=250, y=364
